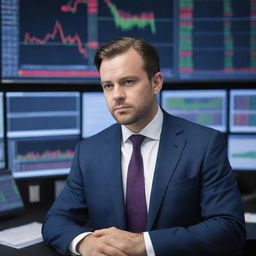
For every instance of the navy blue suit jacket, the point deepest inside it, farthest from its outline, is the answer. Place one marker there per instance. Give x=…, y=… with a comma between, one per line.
x=195, y=206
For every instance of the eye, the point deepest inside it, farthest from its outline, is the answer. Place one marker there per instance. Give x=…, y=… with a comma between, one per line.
x=129, y=82
x=107, y=86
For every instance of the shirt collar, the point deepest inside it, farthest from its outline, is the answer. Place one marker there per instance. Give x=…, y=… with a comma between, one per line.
x=152, y=130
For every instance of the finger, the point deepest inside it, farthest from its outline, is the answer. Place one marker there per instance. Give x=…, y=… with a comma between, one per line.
x=97, y=234
x=110, y=250
x=104, y=231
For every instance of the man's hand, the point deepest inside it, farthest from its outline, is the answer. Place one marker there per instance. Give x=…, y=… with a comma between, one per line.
x=112, y=242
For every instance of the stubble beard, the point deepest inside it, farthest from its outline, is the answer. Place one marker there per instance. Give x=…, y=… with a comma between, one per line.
x=132, y=118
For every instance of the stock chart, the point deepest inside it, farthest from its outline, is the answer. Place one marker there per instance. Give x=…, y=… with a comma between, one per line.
x=203, y=107
x=217, y=39
x=43, y=129
x=55, y=40
x=242, y=152
x=243, y=111
x=41, y=156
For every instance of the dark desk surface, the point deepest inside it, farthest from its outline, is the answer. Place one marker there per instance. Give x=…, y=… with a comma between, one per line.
x=37, y=213
x=34, y=213
x=34, y=250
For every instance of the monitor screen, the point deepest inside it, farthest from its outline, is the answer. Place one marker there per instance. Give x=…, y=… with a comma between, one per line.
x=196, y=40
x=205, y=107
x=242, y=152
x=2, y=146
x=96, y=116
x=42, y=130
x=10, y=199
x=243, y=110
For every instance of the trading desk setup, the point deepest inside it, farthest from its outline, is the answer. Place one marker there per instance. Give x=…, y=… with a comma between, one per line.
x=36, y=212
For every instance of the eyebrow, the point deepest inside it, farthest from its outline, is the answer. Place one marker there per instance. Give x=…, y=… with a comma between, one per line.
x=105, y=82
x=121, y=79
x=128, y=77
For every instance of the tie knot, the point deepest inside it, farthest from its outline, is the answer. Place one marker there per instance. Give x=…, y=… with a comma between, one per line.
x=136, y=140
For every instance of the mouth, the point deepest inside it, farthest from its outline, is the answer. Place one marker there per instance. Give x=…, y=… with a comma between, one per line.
x=121, y=108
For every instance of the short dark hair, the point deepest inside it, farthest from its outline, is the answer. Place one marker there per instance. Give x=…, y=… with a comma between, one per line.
x=147, y=52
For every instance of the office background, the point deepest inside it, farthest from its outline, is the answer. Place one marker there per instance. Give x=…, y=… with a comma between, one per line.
x=50, y=97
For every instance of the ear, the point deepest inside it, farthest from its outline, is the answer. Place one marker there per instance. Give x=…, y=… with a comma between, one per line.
x=157, y=82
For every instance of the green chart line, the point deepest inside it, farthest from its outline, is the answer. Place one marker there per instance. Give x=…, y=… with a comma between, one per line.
x=126, y=21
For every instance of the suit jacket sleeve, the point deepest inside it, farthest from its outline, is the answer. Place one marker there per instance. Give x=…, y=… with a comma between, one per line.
x=68, y=215
x=221, y=229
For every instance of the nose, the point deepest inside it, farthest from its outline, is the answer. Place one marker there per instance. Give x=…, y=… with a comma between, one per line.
x=118, y=93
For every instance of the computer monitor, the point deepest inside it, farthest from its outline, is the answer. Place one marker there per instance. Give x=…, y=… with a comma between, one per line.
x=96, y=116
x=205, y=107
x=42, y=131
x=196, y=40
x=242, y=152
x=10, y=198
x=243, y=110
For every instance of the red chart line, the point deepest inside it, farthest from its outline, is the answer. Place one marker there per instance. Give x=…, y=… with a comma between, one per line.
x=59, y=73
x=65, y=39
x=69, y=8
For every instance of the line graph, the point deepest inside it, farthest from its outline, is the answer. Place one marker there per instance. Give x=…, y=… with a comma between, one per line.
x=72, y=6
x=127, y=21
x=68, y=40
x=242, y=152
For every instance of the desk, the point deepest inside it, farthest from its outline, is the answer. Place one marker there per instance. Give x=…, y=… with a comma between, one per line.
x=34, y=250
x=32, y=213
x=37, y=213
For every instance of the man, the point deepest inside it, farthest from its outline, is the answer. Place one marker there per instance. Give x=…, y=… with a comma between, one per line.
x=189, y=203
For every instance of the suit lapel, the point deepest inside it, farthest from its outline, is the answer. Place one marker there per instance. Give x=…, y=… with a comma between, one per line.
x=170, y=149
x=113, y=174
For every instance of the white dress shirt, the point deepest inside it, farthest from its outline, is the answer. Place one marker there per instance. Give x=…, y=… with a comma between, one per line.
x=149, y=150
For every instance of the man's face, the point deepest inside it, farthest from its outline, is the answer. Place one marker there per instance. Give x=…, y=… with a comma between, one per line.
x=129, y=93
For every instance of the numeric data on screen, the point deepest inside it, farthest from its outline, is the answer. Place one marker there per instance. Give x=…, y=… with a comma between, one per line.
x=243, y=110
x=203, y=107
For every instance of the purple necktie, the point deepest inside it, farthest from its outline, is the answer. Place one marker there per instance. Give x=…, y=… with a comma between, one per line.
x=136, y=208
